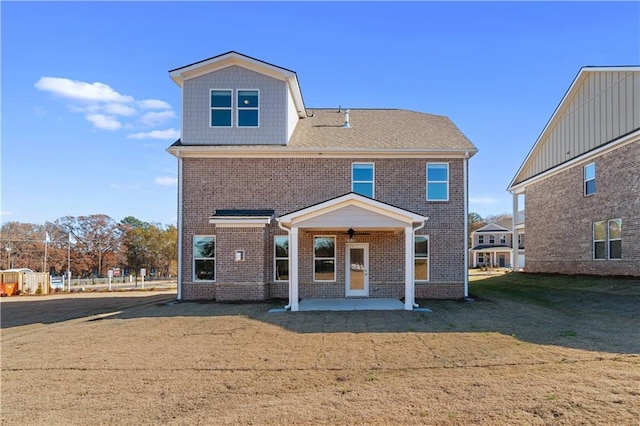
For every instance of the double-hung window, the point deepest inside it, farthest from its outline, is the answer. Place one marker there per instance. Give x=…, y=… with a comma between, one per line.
x=324, y=258
x=599, y=237
x=421, y=259
x=503, y=239
x=615, y=239
x=204, y=258
x=492, y=239
x=437, y=181
x=248, y=108
x=590, y=179
x=480, y=239
x=220, y=104
x=362, y=179
x=281, y=258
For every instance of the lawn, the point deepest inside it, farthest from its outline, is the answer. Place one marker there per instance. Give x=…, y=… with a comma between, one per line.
x=531, y=349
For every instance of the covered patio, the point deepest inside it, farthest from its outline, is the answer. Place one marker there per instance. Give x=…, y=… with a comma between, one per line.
x=352, y=213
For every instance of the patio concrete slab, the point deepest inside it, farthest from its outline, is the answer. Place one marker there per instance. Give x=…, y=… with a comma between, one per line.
x=351, y=305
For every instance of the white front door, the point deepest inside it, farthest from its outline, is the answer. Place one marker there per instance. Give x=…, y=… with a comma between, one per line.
x=357, y=269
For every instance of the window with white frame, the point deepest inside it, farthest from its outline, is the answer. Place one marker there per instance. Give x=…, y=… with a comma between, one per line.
x=421, y=258
x=248, y=108
x=599, y=237
x=281, y=258
x=615, y=239
x=590, y=179
x=492, y=239
x=220, y=104
x=480, y=239
x=362, y=179
x=437, y=181
x=204, y=258
x=480, y=257
x=521, y=241
x=324, y=258
x=503, y=239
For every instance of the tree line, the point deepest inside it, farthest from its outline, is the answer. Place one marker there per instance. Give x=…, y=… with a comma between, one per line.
x=90, y=246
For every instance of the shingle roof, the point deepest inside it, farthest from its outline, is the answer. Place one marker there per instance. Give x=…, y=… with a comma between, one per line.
x=378, y=129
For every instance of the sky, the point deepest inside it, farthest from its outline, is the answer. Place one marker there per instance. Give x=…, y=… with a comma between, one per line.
x=88, y=108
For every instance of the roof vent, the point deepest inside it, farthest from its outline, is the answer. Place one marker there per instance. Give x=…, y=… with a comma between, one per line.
x=346, y=119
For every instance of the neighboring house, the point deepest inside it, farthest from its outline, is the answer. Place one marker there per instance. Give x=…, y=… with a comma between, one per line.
x=581, y=180
x=276, y=200
x=491, y=245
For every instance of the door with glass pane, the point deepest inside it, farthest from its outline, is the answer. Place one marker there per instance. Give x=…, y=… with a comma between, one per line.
x=357, y=269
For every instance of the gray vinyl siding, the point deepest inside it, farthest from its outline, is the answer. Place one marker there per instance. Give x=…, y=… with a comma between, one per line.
x=605, y=107
x=196, y=109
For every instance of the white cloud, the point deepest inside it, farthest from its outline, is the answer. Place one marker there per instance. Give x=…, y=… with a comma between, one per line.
x=120, y=109
x=105, y=122
x=5, y=213
x=80, y=90
x=156, y=134
x=483, y=200
x=154, y=104
x=154, y=118
x=166, y=181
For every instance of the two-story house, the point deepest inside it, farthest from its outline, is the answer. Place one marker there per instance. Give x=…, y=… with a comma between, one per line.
x=492, y=245
x=277, y=200
x=581, y=180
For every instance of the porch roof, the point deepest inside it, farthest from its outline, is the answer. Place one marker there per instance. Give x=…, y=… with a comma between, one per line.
x=351, y=210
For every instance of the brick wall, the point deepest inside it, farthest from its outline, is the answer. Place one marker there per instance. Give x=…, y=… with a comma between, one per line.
x=289, y=184
x=559, y=218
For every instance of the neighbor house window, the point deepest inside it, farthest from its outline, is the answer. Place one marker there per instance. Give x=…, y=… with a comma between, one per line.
x=480, y=257
x=220, y=108
x=362, y=178
x=492, y=239
x=599, y=236
x=324, y=258
x=421, y=259
x=521, y=241
x=615, y=239
x=204, y=258
x=480, y=239
x=281, y=243
x=248, y=108
x=590, y=179
x=503, y=239
x=437, y=182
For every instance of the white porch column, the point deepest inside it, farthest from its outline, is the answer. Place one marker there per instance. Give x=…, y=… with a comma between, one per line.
x=409, y=287
x=293, y=268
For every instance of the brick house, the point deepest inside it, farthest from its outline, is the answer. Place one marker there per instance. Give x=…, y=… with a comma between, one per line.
x=277, y=200
x=491, y=245
x=581, y=180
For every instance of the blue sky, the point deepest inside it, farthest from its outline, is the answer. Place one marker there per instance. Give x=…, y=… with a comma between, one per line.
x=88, y=108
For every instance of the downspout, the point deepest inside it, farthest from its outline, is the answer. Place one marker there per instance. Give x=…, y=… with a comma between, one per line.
x=288, y=231
x=180, y=227
x=422, y=225
x=466, y=225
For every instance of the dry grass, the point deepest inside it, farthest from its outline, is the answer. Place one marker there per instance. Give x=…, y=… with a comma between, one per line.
x=509, y=358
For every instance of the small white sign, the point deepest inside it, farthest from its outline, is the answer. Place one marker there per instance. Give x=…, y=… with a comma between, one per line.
x=143, y=272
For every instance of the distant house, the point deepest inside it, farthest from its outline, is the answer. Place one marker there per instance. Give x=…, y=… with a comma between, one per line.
x=492, y=245
x=581, y=180
x=277, y=200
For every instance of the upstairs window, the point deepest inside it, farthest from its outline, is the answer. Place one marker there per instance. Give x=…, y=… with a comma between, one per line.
x=437, y=182
x=492, y=239
x=590, y=179
x=248, y=108
x=503, y=239
x=362, y=179
x=480, y=239
x=220, y=104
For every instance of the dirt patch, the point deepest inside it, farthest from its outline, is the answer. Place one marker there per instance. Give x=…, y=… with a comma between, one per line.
x=499, y=360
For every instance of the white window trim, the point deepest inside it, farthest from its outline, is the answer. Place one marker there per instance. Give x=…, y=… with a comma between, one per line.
x=502, y=239
x=481, y=239
x=609, y=239
x=585, y=180
x=437, y=181
x=372, y=181
x=220, y=108
x=276, y=258
x=428, y=257
x=492, y=239
x=215, y=263
x=238, y=109
x=593, y=237
x=335, y=260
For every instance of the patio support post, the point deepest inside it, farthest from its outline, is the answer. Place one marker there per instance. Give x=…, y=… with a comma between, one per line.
x=293, y=268
x=408, y=268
